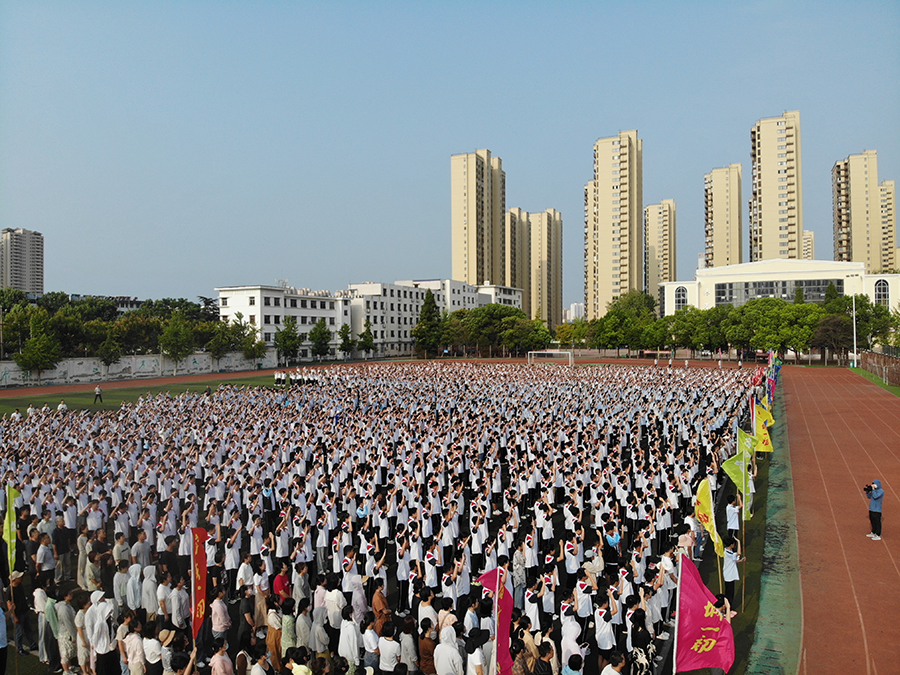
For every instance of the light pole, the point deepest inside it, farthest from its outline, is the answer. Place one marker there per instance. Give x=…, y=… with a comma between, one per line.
x=855, y=357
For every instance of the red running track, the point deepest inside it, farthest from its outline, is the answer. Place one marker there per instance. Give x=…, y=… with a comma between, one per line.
x=843, y=433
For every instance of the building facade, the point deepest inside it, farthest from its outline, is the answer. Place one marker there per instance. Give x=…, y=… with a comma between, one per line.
x=659, y=246
x=776, y=198
x=477, y=213
x=809, y=245
x=779, y=278
x=265, y=308
x=613, y=222
x=890, y=253
x=391, y=310
x=534, y=262
x=856, y=210
x=22, y=260
x=723, y=216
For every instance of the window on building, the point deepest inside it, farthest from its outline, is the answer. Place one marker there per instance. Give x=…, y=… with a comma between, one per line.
x=882, y=293
x=303, y=320
x=680, y=298
x=252, y=301
x=277, y=302
x=277, y=319
x=253, y=319
x=293, y=303
x=331, y=320
x=267, y=337
x=267, y=302
x=331, y=305
x=267, y=319
x=223, y=302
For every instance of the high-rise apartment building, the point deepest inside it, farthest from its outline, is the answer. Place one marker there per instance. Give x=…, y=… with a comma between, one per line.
x=22, y=260
x=857, y=210
x=890, y=253
x=776, y=199
x=723, y=216
x=809, y=245
x=659, y=246
x=613, y=222
x=534, y=262
x=545, y=275
x=477, y=212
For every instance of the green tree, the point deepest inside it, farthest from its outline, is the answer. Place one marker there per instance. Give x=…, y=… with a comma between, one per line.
x=209, y=308
x=834, y=332
x=799, y=297
x=832, y=302
x=164, y=308
x=91, y=308
x=565, y=334
x=366, y=342
x=39, y=353
x=138, y=333
x=223, y=340
x=18, y=323
x=68, y=327
x=799, y=326
x=455, y=331
x=53, y=301
x=348, y=344
x=320, y=339
x=94, y=334
x=287, y=340
x=10, y=297
x=177, y=339
x=427, y=332
x=658, y=335
x=110, y=351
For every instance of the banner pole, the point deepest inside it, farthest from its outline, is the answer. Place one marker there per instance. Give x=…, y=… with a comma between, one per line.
x=719, y=565
x=677, y=615
x=193, y=584
x=495, y=660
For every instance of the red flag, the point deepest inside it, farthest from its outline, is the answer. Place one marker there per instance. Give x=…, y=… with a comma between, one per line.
x=198, y=577
x=704, y=637
x=503, y=606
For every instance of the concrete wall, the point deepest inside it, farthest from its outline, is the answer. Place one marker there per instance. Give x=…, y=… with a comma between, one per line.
x=75, y=371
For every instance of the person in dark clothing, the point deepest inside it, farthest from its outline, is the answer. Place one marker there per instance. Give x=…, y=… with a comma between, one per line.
x=19, y=607
x=875, y=495
x=246, y=628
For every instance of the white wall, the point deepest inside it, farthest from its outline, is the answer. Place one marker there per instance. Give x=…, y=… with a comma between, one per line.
x=75, y=371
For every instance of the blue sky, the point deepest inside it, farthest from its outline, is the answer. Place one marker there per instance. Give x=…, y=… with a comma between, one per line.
x=166, y=148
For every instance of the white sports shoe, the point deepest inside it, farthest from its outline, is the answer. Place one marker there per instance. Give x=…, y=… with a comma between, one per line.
x=870, y=535
x=876, y=538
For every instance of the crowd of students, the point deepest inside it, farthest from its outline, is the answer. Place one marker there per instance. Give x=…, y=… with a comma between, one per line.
x=349, y=516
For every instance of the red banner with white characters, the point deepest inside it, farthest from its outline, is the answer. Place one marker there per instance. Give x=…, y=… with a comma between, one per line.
x=493, y=581
x=704, y=638
x=198, y=578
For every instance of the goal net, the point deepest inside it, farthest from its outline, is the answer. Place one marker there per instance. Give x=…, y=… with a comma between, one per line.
x=558, y=358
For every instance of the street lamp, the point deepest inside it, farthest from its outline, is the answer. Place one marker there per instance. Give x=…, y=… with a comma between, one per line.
x=854, y=332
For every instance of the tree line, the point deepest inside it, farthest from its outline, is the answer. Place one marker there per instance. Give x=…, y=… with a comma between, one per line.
x=631, y=323
x=486, y=331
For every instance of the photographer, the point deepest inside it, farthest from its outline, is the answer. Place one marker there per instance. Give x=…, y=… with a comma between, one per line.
x=875, y=494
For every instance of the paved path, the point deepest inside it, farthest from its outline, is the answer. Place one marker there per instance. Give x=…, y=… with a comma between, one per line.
x=844, y=432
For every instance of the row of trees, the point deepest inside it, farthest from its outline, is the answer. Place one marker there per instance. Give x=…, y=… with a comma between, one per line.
x=762, y=324
x=485, y=330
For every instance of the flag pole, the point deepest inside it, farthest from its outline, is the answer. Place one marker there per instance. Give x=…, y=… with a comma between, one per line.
x=494, y=661
x=677, y=614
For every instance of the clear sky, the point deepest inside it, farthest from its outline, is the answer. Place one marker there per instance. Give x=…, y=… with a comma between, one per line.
x=165, y=148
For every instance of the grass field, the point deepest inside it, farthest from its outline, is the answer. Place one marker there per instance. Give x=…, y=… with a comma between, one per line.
x=113, y=398
x=877, y=380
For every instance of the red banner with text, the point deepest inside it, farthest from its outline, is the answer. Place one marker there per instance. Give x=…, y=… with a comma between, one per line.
x=198, y=578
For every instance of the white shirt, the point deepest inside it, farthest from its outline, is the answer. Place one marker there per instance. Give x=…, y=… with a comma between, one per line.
x=390, y=654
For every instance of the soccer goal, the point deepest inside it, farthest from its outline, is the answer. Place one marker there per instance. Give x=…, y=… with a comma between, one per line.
x=558, y=358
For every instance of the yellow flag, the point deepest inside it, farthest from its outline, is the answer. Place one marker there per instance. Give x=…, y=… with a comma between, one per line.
x=762, y=413
x=9, y=525
x=706, y=517
x=763, y=442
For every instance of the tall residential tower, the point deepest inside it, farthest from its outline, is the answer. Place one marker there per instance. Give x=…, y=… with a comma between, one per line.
x=890, y=250
x=659, y=246
x=776, y=199
x=477, y=211
x=613, y=222
x=723, y=219
x=22, y=260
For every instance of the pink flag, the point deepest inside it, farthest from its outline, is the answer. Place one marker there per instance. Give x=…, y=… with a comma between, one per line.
x=705, y=638
x=503, y=606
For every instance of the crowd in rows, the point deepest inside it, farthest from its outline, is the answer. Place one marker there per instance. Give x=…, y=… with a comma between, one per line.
x=348, y=518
